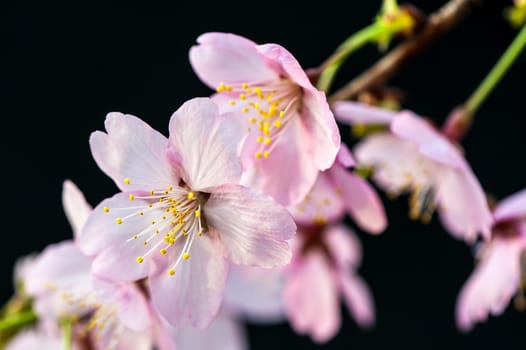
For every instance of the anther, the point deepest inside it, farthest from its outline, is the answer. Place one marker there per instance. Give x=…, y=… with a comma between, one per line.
x=190, y=195
x=186, y=255
x=127, y=181
x=140, y=259
x=132, y=197
x=118, y=221
x=171, y=272
x=266, y=154
x=162, y=251
x=106, y=209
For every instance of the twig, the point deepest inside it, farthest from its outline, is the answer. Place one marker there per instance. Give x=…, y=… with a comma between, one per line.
x=439, y=23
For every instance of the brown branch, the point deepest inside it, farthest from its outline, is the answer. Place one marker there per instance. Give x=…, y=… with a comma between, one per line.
x=439, y=23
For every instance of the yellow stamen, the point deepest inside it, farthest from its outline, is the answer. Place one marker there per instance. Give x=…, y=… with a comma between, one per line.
x=190, y=195
x=118, y=221
x=171, y=272
x=267, y=141
x=106, y=209
x=259, y=139
x=197, y=213
x=266, y=154
x=221, y=87
x=245, y=110
x=127, y=181
x=277, y=124
x=163, y=251
x=140, y=259
x=132, y=197
x=186, y=255
x=258, y=155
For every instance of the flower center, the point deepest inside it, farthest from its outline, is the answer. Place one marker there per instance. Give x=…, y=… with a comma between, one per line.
x=174, y=217
x=268, y=106
x=422, y=204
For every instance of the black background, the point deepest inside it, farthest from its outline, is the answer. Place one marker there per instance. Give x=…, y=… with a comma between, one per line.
x=67, y=64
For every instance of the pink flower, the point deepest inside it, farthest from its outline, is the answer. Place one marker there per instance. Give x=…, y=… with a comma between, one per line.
x=323, y=269
x=108, y=315
x=35, y=339
x=338, y=191
x=499, y=271
x=415, y=157
x=181, y=211
x=287, y=118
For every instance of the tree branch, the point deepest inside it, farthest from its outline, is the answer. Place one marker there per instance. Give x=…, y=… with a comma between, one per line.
x=439, y=23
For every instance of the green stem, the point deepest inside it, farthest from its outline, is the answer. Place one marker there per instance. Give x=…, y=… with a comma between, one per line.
x=17, y=319
x=66, y=335
x=496, y=74
x=354, y=42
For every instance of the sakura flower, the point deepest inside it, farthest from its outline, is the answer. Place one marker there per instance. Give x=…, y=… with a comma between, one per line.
x=181, y=216
x=287, y=119
x=323, y=269
x=501, y=268
x=327, y=253
x=415, y=157
x=106, y=315
x=36, y=339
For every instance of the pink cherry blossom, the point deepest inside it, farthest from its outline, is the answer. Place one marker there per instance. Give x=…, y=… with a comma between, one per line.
x=109, y=315
x=417, y=158
x=337, y=191
x=501, y=267
x=287, y=118
x=322, y=271
x=181, y=215
x=32, y=339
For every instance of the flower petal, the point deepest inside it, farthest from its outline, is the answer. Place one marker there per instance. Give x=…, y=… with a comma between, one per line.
x=360, y=199
x=511, y=207
x=462, y=202
x=225, y=332
x=134, y=151
x=132, y=305
x=75, y=205
x=324, y=137
x=205, y=145
x=351, y=112
x=252, y=227
x=286, y=187
x=311, y=298
x=344, y=246
x=432, y=144
x=396, y=163
x=492, y=284
x=323, y=203
x=358, y=299
x=228, y=58
x=255, y=293
x=34, y=339
x=192, y=296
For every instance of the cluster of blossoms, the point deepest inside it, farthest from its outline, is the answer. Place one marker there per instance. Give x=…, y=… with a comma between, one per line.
x=241, y=213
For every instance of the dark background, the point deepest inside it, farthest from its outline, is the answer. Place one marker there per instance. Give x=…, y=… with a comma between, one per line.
x=68, y=63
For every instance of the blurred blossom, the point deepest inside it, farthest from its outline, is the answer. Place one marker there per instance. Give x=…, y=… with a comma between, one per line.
x=416, y=158
x=501, y=267
x=40, y=339
x=288, y=120
x=181, y=216
x=107, y=315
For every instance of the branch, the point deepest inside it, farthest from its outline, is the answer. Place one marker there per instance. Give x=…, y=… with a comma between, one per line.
x=439, y=23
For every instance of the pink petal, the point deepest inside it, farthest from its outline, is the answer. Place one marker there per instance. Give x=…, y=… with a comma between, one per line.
x=205, y=145
x=396, y=163
x=511, y=207
x=350, y=112
x=344, y=157
x=132, y=305
x=492, y=284
x=358, y=299
x=192, y=296
x=462, y=204
x=224, y=333
x=432, y=144
x=311, y=298
x=323, y=202
x=75, y=205
x=132, y=150
x=228, y=58
x=128, y=339
x=255, y=293
x=34, y=339
x=286, y=187
x=61, y=266
x=252, y=227
x=116, y=250
x=343, y=245
x=323, y=134
x=286, y=64
x=360, y=199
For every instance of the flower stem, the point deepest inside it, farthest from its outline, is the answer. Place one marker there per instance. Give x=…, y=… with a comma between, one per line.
x=496, y=74
x=18, y=319
x=66, y=335
x=354, y=42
